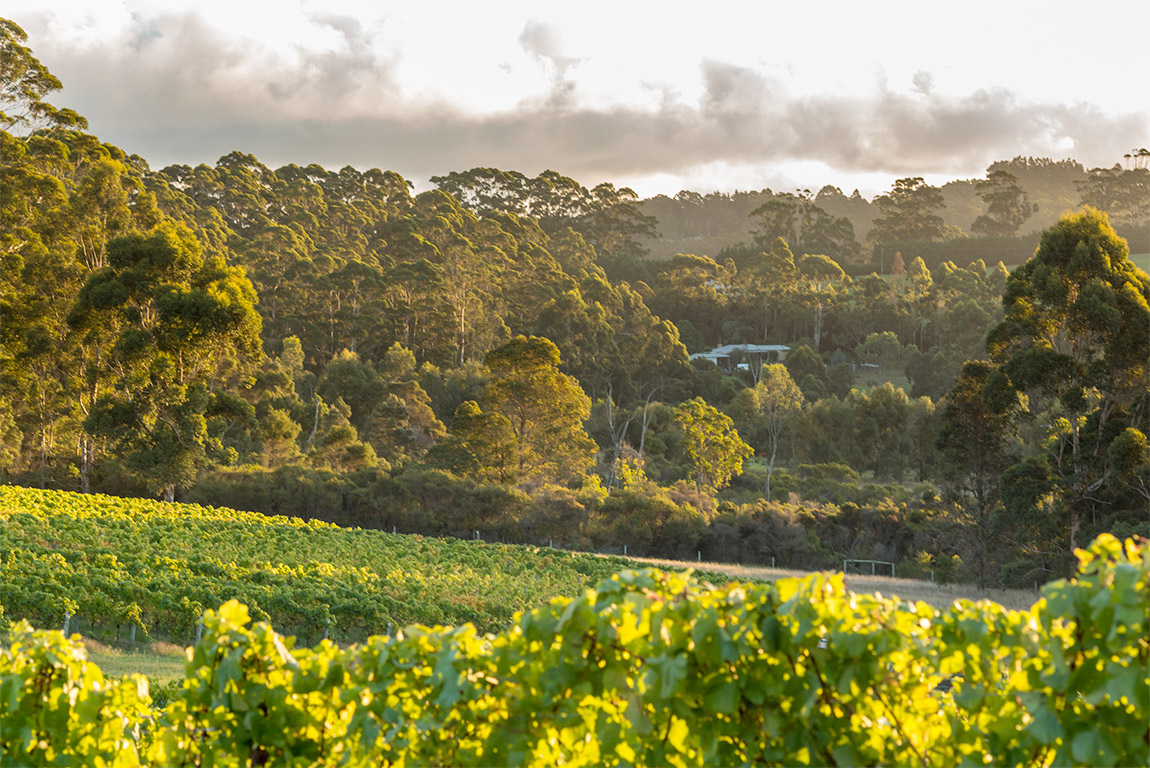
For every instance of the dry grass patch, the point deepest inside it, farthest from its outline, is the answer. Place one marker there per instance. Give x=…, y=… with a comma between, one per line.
x=161, y=662
x=938, y=595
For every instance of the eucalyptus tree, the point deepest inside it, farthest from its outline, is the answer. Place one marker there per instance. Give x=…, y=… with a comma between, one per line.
x=170, y=323
x=1075, y=343
x=1007, y=205
x=908, y=212
x=766, y=411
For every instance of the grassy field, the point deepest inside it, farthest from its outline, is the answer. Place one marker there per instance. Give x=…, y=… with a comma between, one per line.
x=161, y=662
x=939, y=595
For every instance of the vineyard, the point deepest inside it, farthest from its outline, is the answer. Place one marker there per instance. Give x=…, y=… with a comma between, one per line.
x=116, y=563
x=650, y=668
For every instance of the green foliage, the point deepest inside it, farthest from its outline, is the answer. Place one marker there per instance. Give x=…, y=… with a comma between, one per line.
x=908, y=213
x=60, y=710
x=1074, y=343
x=766, y=411
x=118, y=563
x=1007, y=205
x=715, y=450
x=24, y=82
x=653, y=668
x=649, y=521
x=165, y=317
x=544, y=408
x=797, y=219
x=480, y=445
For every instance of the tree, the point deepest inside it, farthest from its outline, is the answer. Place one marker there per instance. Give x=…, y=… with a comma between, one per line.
x=712, y=444
x=772, y=280
x=336, y=445
x=545, y=408
x=24, y=82
x=807, y=227
x=973, y=439
x=882, y=437
x=174, y=321
x=1075, y=341
x=480, y=444
x=1007, y=206
x=768, y=410
x=820, y=272
x=808, y=369
x=881, y=349
x=908, y=213
x=1122, y=193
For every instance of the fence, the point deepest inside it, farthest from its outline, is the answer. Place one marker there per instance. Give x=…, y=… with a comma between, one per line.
x=858, y=564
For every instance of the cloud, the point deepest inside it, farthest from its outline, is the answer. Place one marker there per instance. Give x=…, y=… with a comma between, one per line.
x=176, y=90
x=542, y=42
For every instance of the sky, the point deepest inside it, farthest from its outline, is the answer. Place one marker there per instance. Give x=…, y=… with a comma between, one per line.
x=657, y=96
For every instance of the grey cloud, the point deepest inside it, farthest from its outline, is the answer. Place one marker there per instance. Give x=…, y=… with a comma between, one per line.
x=542, y=42
x=185, y=96
x=923, y=81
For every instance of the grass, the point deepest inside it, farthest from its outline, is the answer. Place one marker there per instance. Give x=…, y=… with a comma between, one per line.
x=161, y=662
x=941, y=596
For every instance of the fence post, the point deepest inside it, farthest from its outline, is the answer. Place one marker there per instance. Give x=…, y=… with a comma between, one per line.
x=199, y=630
x=624, y=550
x=327, y=629
x=67, y=618
x=699, y=555
x=132, y=635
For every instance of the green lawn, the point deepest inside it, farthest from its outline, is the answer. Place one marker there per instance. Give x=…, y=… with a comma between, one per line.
x=161, y=662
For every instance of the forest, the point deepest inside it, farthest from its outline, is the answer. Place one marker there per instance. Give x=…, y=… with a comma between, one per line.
x=963, y=390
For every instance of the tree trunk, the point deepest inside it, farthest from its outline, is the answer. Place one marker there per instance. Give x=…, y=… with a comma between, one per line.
x=85, y=464
x=170, y=493
x=1075, y=526
x=818, y=324
x=646, y=422
x=771, y=467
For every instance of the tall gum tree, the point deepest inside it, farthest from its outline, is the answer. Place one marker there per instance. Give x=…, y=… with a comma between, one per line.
x=1075, y=341
x=171, y=321
x=712, y=443
x=545, y=408
x=767, y=410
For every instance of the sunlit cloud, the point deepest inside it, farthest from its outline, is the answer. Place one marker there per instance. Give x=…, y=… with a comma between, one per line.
x=345, y=86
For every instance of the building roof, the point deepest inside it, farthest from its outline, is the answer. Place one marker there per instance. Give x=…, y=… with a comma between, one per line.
x=749, y=349
x=725, y=351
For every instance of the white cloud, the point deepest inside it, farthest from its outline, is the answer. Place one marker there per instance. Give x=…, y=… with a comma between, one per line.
x=639, y=93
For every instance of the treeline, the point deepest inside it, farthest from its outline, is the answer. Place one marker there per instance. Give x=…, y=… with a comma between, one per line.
x=997, y=218
x=497, y=355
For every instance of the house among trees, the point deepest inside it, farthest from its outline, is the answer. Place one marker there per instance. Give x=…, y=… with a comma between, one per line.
x=732, y=356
